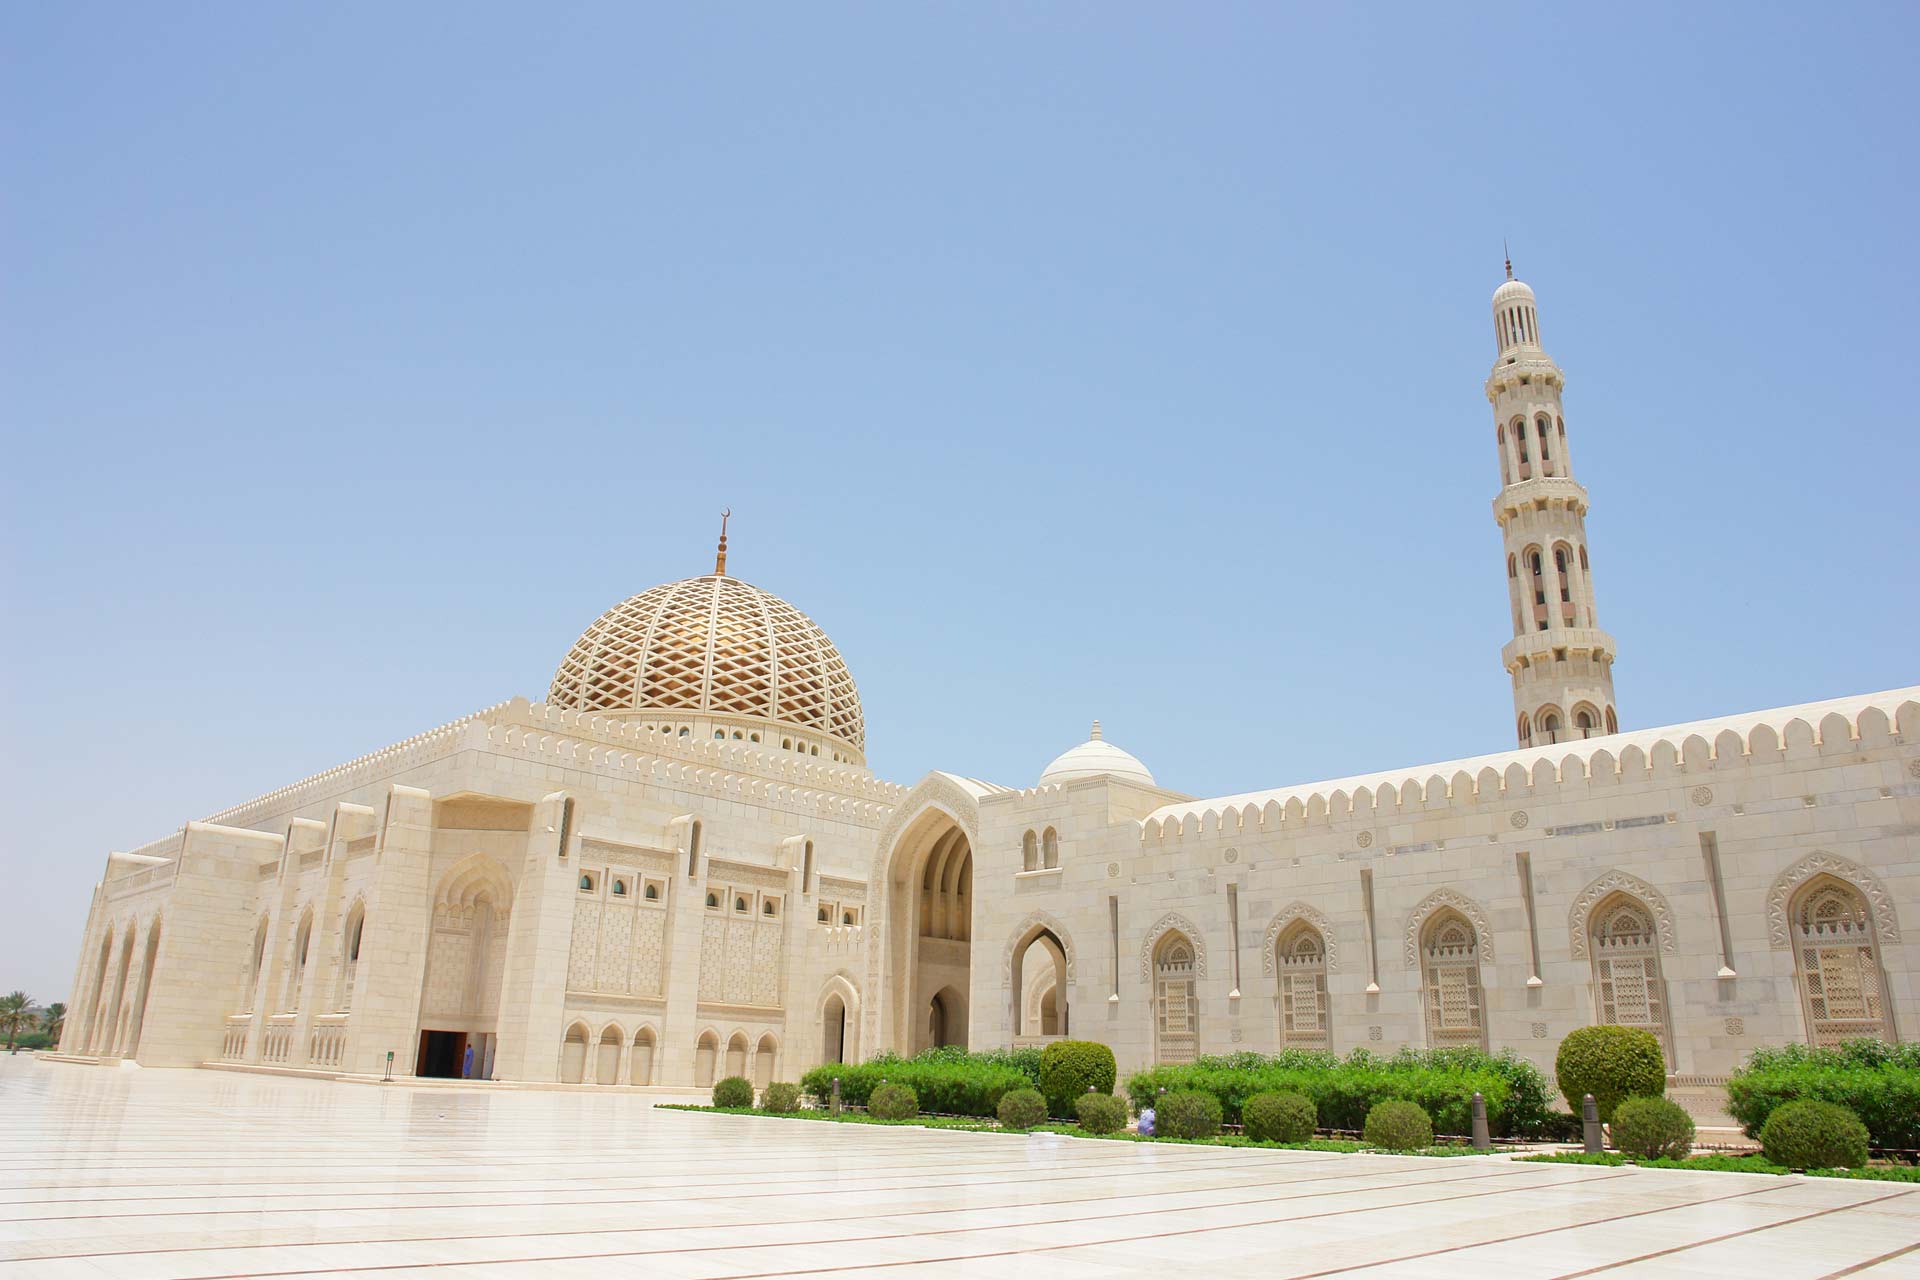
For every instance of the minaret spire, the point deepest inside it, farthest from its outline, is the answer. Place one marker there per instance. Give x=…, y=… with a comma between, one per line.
x=1509, y=256
x=1560, y=661
x=720, y=558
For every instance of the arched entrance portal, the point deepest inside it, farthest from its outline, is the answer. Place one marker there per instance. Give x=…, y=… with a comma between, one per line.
x=460, y=1002
x=929, y=953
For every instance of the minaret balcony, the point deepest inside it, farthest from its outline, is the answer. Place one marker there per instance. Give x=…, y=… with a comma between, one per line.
x=1525, y=495
x=1541, y=648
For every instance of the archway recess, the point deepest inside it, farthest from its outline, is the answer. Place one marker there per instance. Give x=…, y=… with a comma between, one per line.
x=928, y=948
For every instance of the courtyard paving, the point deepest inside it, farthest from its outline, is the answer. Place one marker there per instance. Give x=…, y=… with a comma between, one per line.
x=145, y=1175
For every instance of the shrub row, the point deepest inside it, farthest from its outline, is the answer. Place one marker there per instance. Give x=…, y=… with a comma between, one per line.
x=1342, y=1093
x=1879, y=1083
x=1613, y=1064
x=1070, y=1069
x=958, y=1086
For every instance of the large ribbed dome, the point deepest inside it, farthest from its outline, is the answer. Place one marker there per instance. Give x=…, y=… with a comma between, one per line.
x=717, y=647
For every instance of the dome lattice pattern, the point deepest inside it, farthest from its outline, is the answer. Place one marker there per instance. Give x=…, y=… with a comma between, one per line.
x=718, y=645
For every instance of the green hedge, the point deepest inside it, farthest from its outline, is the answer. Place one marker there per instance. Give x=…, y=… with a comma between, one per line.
x=1441, y=1082
x=958, y=1086
x=1398, y=1126
x=1022, y=1109
x=1654, y=1128
x=1613, y=1064
x=734, y=1091
x=1879, y=1083
x=1071, y=1068
x=1100, y=1112
x=1810, y=1134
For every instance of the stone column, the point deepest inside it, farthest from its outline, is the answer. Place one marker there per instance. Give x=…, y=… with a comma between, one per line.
x=533, y=989
x=393, y=945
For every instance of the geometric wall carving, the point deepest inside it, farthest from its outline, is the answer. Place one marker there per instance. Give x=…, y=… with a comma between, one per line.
x=1822, y=863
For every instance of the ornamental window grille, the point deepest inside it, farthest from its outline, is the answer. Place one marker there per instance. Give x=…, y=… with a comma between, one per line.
x=1300, y=966
x=1175, y=1007
x=1450, y=973
x=1838, y=964
x=1629, y=989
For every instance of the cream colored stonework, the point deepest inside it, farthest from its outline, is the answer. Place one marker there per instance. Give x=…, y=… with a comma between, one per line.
x=680, y=868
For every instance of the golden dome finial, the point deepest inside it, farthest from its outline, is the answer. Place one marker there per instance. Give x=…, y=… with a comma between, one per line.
x=720, y=558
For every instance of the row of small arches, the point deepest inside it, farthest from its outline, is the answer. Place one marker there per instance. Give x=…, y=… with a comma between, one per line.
x=1549, y=724
x=795, y=745
x=611, y=1057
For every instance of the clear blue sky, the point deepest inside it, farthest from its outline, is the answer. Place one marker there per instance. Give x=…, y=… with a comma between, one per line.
x=1062, y=361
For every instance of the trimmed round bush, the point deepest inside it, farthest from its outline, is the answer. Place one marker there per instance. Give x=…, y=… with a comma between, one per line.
x=1399, y=1126
x=1069, y=1068
x=734, y=1091
x=1653, y=1128
x=1612, y=1064
x=1100, y=1112
x=780, y=1097
x=1022, y=1109
x=893, y=1102
x=1188, y=1115
x=1278, y=1117
x=1814, y=1135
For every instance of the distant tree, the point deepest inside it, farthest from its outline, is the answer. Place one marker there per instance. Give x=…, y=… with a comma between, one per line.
x=54, y=1021
x=14, y=1015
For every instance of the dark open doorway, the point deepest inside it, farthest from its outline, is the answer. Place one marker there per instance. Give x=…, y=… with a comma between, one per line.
x=441, y=1053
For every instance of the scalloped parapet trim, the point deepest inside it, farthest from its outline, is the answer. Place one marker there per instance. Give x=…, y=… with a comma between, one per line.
x=1811, y=729
x=735, y=770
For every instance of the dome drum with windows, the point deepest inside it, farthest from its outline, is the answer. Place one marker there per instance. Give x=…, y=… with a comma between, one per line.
x=716, y=658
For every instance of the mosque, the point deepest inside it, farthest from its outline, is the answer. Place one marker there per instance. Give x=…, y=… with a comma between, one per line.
x=679, y=867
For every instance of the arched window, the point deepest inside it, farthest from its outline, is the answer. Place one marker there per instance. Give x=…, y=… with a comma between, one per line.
x=740, y=905
x=1837, y=963
x=1613, y=725
x=824, y=915
x=1513, y=570
x=1050, y=848
x=846, y=917
x=713, y=901
x=1520, y=439
x=350, y=956
x=767, y=908
x=1628, y=987
x=1175, y=1011
x=1300, y=964
x=653, y=893
x=297, y=971
x=252, y=991
x=573, y=1055
x=706, y=1055
x=640, y=1069
x=1029, y=852
x=1526, y=731
x=1450, y=974
x=1543, y=428
x=586, y=882
x=737, y=1055
x=619, y=888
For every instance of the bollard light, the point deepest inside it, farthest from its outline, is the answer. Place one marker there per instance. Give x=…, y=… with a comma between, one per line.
x=1482, y=1140
x=1590, y=1125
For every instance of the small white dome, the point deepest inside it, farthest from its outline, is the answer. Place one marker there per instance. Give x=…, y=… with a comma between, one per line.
x=1512, y=291
x=1096, y=758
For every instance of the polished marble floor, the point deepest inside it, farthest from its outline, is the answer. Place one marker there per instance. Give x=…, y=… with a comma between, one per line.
x=170, y=1174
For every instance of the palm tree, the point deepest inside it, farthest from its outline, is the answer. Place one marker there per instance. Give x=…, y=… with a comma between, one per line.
x=54, y=1021
x=14, y=1017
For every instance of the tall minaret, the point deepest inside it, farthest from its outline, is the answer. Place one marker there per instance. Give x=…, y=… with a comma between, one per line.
x=1560, y=660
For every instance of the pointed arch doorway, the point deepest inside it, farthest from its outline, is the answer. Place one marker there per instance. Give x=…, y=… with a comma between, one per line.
x=928, y=950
